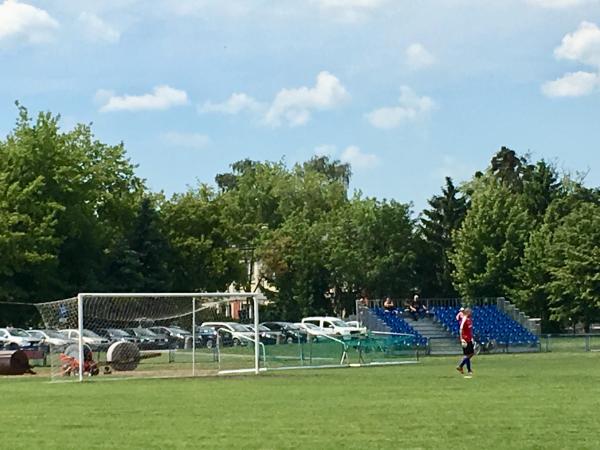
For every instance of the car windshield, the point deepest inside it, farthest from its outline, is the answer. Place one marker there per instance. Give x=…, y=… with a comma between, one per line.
x=311, y=326
x=179, y=330
x=206, y=330
x=239, y=327
x=54, y=334
x=339, y=323
x=117, y=332
x=260, y=328
x=144, y=332
x=18, y=332
x=35, y=334
x=90, y=334
x=291, y=326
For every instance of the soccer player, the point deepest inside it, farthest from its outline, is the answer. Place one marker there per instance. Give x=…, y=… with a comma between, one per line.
x=466, y=340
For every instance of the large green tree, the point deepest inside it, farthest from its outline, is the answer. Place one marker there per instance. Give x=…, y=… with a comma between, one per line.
x=67, y=199
x=438, y=222
x=490, y=242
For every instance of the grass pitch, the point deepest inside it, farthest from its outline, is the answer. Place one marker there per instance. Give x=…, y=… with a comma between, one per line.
x=513, y=401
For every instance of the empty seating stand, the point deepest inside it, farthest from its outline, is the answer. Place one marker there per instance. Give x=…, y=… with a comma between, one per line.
x=398, y=325
x=489, y=325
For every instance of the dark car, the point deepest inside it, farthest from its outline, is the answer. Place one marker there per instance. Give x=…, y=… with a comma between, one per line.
x=209, y=336
x=116, y=335
x=177, y=336
x=288, y=332
x=149, y=340
x=267, y=336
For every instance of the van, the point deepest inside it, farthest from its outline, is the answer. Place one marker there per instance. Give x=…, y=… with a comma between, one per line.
x=333, y=326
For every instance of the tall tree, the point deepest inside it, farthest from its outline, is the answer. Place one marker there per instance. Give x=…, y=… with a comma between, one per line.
x=574, y=258
x=490, y=242
x=68, y=199
x=444, y=216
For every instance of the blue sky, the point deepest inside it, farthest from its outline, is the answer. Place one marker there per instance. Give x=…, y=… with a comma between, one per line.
x=406, y=91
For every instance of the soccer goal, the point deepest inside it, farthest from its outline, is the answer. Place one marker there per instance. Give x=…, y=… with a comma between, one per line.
x=106, y=335
x=152, y=334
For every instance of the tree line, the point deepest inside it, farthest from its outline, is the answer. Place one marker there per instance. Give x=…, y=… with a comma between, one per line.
x=75, y=217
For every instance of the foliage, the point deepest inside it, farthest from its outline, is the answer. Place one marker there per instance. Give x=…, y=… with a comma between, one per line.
x=490, y=242
x=75, y=217
x=66, y=200
x=444, y=216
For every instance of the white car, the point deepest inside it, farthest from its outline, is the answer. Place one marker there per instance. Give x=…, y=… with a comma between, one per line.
x=332, y=326
x=90, y=338
x=240, y=334
x=52, y=337
x=16, y=337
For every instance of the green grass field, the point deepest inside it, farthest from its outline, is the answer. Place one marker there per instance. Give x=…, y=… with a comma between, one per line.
x=514, y=401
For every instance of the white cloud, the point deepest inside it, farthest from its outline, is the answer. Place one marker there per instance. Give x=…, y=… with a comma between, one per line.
x=583, y=45
x=418, y=56
x=294, y=106
x=162, y=97
x=186, y=140
x=574, y=84
x=98, y=30
x=359, y=160
x=233, y=105
x=23, y=22
x=560, y=4
x=348, y=10
x=411, y=107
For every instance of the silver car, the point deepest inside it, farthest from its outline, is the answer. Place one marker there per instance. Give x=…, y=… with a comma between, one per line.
x=18, y=338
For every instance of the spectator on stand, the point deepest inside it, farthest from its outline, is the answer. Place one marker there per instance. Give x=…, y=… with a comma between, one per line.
x=388, y=305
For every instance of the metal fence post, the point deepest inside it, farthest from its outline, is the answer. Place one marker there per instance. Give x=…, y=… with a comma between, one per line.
x=587, y=343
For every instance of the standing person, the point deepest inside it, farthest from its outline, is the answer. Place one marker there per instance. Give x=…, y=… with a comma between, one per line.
x=466, y=340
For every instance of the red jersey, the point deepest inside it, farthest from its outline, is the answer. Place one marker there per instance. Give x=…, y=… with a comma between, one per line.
x=467, y=329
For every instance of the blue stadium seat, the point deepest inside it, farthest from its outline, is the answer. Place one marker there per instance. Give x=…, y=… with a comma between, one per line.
x=488, y=323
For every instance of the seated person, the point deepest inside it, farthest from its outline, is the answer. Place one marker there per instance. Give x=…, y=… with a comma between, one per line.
x=388, y=305
x=413, y=308
x=417, y=309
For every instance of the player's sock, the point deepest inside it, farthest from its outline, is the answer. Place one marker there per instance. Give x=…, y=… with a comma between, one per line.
x=468, y=363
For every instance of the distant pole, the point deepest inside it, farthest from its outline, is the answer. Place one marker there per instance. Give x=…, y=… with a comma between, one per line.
x=80, y=330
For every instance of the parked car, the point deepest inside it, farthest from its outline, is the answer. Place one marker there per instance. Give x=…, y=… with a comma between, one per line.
x=52, y=337
x=19, y=338
x=238, y=332
x=266, y=336
x=177, y=336
x=311, y=331
x=333, y=326
x=287, y=331
x=208, y=337
x=96, y=342
x=148, y=340
x=117, y=335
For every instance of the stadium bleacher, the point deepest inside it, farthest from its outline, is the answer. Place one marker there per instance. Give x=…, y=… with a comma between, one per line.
x=398, y=325
x=489, y=323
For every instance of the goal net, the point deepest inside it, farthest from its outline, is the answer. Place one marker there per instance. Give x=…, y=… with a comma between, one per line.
x=151, y=335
